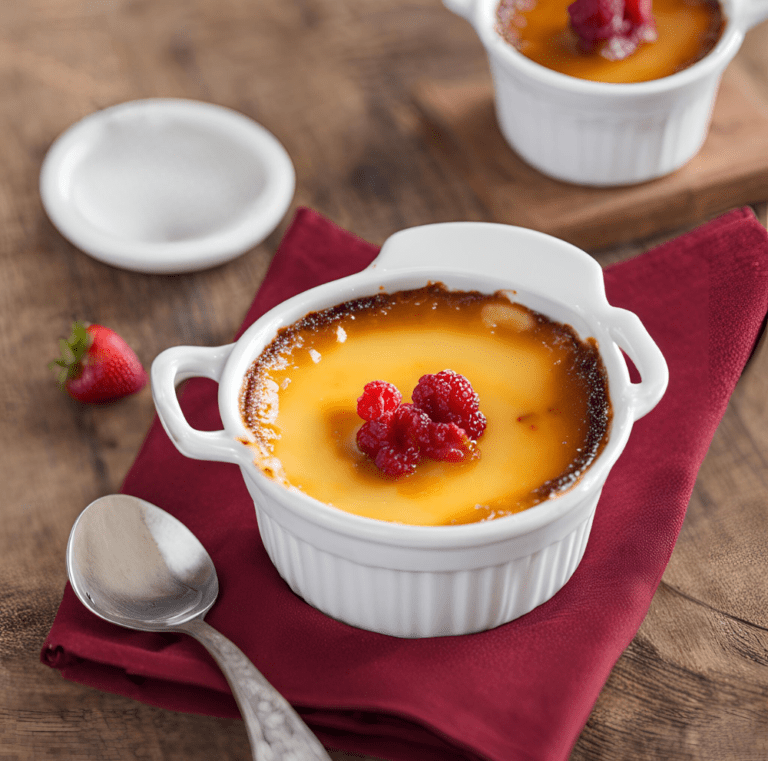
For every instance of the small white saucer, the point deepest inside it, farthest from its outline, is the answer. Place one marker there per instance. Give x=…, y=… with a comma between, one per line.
x=166, y=185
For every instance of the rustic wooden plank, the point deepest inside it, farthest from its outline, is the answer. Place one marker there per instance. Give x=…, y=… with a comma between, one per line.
x=731, y=169
x=334, y=80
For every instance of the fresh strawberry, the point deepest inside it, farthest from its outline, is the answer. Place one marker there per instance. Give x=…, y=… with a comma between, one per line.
x=97, y=365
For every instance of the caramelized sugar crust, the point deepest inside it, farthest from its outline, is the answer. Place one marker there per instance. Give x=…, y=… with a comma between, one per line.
x=543, y=390
x=540, y=30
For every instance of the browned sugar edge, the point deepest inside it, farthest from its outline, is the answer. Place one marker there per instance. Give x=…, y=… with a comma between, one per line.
x=314, y=321
x=587, y=363
x=711, y=36
x=599, y=410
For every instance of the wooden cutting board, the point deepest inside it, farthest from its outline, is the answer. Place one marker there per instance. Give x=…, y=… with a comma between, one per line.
x=731, y=169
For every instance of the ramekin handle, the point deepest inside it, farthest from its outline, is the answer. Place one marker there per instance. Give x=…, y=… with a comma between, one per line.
x=170, y=368
x=489, y=248
x=754, y=13
x=464, y=8
x=630, y=334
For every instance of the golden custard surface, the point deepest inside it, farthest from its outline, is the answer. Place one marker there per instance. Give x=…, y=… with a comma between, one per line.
x=543, y=392
x=540, y=30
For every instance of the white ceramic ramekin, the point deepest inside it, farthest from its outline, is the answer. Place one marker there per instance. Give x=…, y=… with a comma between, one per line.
x=599, y=133
x=419, y=581
x=166, y=185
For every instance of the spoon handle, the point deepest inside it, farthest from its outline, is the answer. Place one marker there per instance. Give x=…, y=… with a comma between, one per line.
x=275, y=730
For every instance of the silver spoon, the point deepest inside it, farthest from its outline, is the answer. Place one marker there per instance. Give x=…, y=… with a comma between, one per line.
x=135, y=565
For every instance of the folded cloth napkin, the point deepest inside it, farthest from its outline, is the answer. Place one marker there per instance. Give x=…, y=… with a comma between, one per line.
x=521, y=691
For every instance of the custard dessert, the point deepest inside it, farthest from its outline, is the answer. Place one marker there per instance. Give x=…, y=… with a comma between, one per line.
x=543, y=393
x=685, y=31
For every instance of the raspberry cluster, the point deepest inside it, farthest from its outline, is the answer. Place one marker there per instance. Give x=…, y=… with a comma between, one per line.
x=621, y=24
x=443, y=422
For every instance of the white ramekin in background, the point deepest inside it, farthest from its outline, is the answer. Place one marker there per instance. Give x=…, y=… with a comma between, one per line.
x=419, y=581
x=599, y=133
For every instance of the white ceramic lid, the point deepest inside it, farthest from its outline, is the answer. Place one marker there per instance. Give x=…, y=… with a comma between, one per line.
x=166, y=185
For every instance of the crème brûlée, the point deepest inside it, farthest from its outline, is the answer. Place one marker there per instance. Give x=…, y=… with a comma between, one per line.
x=686, y=30
x=543, y=391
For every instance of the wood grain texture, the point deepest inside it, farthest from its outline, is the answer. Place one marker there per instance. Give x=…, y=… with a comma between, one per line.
x=730, y=170
x=335, y=80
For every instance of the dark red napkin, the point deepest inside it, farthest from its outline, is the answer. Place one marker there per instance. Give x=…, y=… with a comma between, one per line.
x=521, y=691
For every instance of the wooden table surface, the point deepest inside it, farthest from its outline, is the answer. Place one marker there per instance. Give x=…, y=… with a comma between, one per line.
x=334, y=80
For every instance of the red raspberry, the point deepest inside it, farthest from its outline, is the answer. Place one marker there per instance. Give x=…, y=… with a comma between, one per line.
x=390, y=441
x=445, y=441
x=374, y=434
x=639, y=12
x=622, y=24
x=442, y=423
x=412, y=422
x=408, y=424
x=379, y=397
x=398, y=461
x=595, y=20
x=448, y=397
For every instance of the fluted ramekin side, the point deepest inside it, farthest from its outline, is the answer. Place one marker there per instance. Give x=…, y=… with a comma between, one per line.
x=583, y=141
x=424, y=603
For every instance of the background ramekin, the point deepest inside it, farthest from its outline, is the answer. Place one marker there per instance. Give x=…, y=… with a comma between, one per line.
x=599, y=133
x=419, y=581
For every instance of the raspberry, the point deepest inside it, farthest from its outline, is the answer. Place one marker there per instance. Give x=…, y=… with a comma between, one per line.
x=622, y=24
x=445, y=441
x=391, y=442
x=413, y=422
x=443, y=423
x=396, y=461
x=595, y=20
x=449, y=398
x=639, y=12
x=378, y=398
x=373, y=435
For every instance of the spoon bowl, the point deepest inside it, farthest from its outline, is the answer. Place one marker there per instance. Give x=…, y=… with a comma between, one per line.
x=135, y=565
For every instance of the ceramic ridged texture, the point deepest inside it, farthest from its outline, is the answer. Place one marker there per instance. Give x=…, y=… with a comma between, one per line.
x=422, y=603
x=581, y=145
